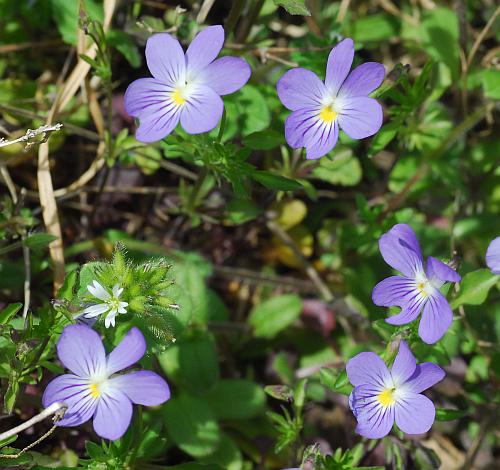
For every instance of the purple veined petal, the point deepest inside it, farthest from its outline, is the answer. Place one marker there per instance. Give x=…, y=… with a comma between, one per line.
x=75, y=392
x=360, y=117
x=303, y=128
x=363, y=80
x=321, y=140
x=436, y=318
x=202, y=111
x=368, y=368
x=339, y=64
x=150, y=101
x=130, y=349
x=493, y=256
x=374, y=420
x=404, y=365
x=393, y=290
x=113, y=415
x=409, y=311
x=146, y=93
x=165, y=59
x=81, y=351
x=400, y=249
x=142, y=388
x=439, y=273
x=425, y=376
x=203, y=50
x=225, y=75
x=414, y=413
x=300, y=88
x=297, y=124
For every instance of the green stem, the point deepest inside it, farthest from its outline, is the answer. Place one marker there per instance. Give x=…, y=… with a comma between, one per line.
x=222, y=127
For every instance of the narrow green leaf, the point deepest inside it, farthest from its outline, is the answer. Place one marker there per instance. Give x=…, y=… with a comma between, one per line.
x=272, y=181
x=274, y=315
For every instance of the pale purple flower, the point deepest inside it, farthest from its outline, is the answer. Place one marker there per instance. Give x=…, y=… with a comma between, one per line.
x=109, y=304
x=381, y=397
x=417, y=288
x=185, y=87
x=318, y=109
x=493, y=256
x=94, y=390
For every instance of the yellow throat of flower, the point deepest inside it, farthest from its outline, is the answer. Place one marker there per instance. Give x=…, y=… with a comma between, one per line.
x=386, y=398
x=177, y=98
x=94, y=391
x=327, y=114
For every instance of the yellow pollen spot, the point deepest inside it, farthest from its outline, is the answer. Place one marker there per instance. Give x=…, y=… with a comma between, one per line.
x=94, y=391
x=328, y=114
x=177, y=98
x=421, y=287
x=386, y=398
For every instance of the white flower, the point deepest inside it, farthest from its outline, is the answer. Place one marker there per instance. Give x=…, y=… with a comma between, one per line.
x=110, y=305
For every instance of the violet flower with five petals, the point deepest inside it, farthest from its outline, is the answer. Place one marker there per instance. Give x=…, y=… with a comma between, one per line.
x=381, y=397
x=319, y=108
x=493, y=256
x=417, y=288
x=185, y=88
x=92, y=390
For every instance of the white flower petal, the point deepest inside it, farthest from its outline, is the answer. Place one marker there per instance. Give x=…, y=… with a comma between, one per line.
x=117, y=291
x=110, y=319
x=98, y=291
x=95, y=310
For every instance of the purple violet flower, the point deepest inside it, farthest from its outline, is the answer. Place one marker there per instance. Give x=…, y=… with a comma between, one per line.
x=185, y=87
x=93, y=390
x=381, y=397
x=417, y=288
x=493, y=256
x=318, y=109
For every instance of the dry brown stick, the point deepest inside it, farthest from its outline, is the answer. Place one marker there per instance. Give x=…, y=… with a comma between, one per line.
x=45, y=186
x=481, y=36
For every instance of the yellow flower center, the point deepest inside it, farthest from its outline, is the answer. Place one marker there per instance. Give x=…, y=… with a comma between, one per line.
x=177, y=98
x=94, y=390
x=386, y=398
x=422, y=288
x=327, y=114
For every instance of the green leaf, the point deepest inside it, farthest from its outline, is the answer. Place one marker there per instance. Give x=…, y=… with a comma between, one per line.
x=274, y=315
x=191, y=424
x=66, y=14
x=439, y=36
x=491, y=83
x=227, y=454
x=39, y=240
x=125, y=44
x=377, y=27
x=294, y=7
x=343, y=169
x=273, y=181
x=449, y=415
x=263, y=140
x=236, y=399
x=198, y=362
x=8, y=312
x=242, y=210
x=67, y=289
x=474, y=288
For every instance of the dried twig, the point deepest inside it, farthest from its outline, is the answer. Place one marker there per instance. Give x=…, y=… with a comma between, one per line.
x=44, y=131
